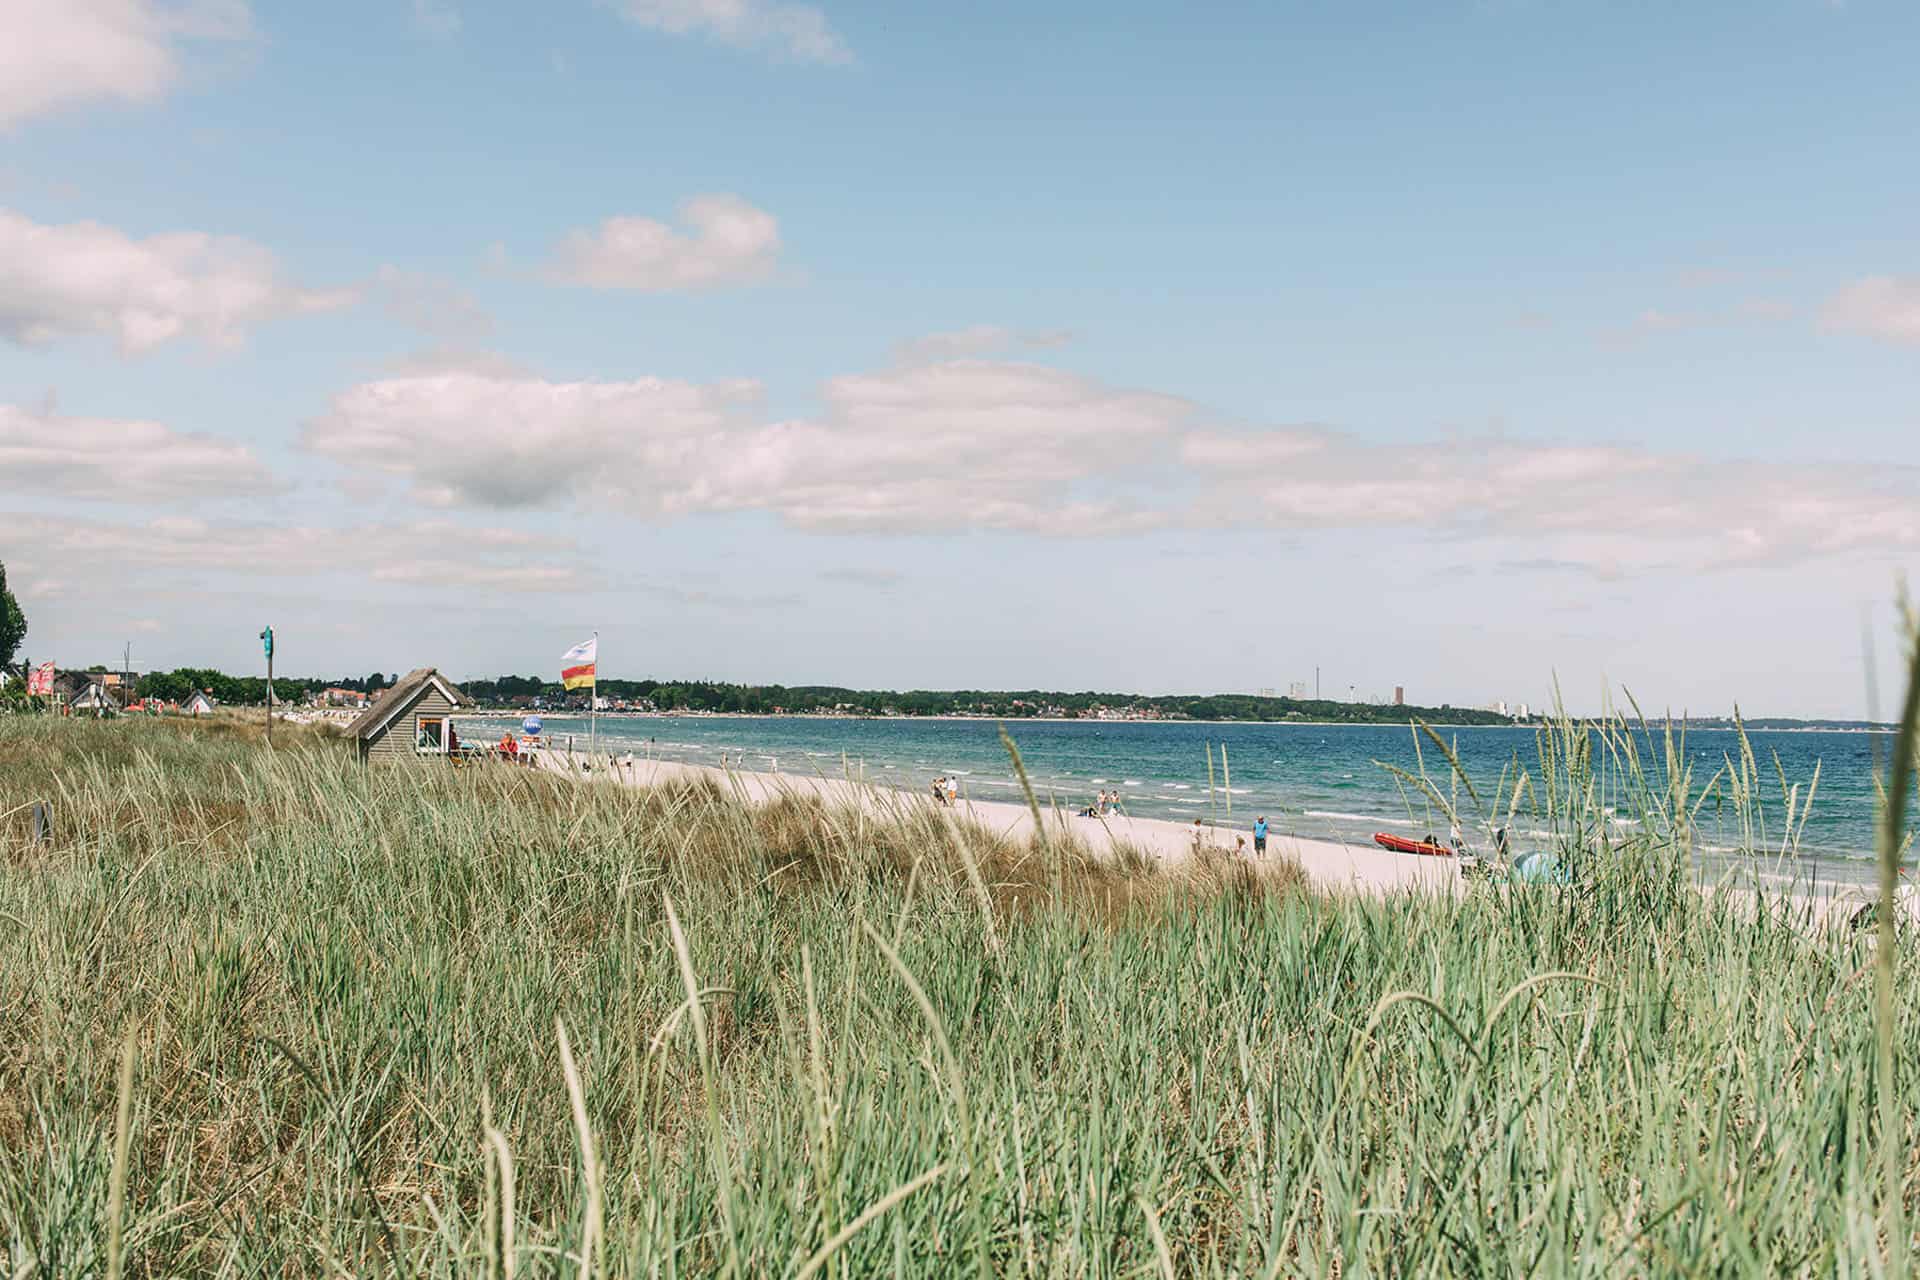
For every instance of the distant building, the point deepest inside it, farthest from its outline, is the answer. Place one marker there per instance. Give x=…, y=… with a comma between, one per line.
x=1298, y=689
x=414, y=717
x=1399, y=696
x=1523, y=712
x=200, y=704
x=337, y=697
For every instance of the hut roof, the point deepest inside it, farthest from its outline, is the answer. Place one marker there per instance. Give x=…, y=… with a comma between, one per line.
x=402, y=694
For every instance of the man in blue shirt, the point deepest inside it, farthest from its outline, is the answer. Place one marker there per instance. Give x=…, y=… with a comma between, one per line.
x=1259, y=837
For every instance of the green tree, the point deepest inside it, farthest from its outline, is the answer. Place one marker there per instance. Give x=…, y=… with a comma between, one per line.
x=13, y=623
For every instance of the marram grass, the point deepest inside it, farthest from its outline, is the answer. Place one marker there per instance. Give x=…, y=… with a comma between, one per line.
x=477, y=1022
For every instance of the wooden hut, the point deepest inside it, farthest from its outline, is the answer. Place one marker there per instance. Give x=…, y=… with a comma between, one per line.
x=415, y=717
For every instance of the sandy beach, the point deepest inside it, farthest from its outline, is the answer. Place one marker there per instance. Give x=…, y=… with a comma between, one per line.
x=1330, y=866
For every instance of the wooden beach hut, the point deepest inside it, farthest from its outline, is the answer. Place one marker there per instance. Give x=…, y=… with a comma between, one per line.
x=415, y=717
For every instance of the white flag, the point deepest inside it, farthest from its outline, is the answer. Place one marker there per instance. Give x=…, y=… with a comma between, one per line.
x=584, y=652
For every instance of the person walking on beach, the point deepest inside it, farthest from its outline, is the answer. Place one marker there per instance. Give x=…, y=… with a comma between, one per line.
x=953, y=792
x=1199, y=835
x=1260, y=836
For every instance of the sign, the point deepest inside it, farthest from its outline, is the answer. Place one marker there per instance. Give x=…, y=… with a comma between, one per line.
x=266, y=641
x=40, y=679
x=531, y=726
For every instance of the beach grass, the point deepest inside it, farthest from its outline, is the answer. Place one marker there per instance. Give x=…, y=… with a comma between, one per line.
x=273, y=1012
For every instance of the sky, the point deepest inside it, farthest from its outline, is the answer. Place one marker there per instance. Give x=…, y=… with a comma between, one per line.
x=1477, y=347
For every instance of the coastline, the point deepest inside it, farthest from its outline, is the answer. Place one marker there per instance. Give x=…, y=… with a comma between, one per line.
x=1332, y=867
x=1329, y=866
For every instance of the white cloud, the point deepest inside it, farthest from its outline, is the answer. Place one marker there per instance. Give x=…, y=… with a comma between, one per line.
x=56, y=54
x=976, y=341
x=1598, y=505
x=420, y=554
x=726, y=241
x=967, y=444
x=797, y=31
x=47, y=454
x=472, y=437
x=984, y=445
x=87, y=278
x=1879, y=306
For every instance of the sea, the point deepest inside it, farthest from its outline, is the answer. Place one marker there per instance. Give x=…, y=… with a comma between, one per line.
x=1321, y=781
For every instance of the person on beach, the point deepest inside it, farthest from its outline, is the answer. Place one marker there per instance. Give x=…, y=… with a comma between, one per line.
x=1199, y=835
x=940, y=790
x=1260, y=836
x=953, y=792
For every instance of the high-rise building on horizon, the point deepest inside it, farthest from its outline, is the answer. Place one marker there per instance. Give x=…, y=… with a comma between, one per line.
x=1399, y=696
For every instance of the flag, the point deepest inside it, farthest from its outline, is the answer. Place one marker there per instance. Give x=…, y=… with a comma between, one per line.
x=576, y=664
x=40, y=680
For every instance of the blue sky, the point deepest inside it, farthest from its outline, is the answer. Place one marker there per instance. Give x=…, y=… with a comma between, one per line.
x=1455, y=345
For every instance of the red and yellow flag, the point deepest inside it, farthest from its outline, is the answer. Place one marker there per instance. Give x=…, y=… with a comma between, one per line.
x=576, y=665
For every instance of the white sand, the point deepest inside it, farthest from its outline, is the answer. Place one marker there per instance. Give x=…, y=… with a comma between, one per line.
x=1329, y=866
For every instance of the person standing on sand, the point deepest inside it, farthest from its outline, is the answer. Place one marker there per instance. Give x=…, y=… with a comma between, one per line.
x=1199, y=835
x=953, y=792
x=1260, y=836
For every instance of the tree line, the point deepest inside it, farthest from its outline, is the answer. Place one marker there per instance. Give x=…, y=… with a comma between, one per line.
x=755, y=699
x=179, y=684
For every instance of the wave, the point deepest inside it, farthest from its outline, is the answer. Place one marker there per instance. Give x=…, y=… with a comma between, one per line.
x=1358, y=817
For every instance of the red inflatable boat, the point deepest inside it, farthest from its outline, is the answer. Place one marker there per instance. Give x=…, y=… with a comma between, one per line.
x=1400, y=844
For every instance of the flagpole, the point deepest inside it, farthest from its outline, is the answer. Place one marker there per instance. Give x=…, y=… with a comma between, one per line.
x=593, y=704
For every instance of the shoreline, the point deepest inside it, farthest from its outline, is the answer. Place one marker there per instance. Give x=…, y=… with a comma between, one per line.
x=494, y=713
x=1330, y=866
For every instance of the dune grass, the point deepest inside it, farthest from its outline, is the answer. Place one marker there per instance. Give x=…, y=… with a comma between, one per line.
x=276, y=1013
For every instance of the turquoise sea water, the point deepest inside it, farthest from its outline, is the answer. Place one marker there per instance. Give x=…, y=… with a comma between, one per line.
x=1323, y=781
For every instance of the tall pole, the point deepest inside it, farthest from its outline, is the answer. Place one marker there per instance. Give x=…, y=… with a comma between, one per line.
x=593, y=704
x=266, y=640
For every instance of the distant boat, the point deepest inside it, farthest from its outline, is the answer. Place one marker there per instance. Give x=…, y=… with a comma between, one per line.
x=1400, y=844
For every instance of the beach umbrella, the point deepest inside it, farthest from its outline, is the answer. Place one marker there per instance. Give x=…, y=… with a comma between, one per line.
x=531, y=726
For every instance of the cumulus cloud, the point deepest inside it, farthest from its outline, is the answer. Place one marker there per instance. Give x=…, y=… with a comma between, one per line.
x=798, y=31
x=967, y=444
x=1605, y=506
x=975, y=341
x=1885, y=307
x=56, y=54
x=83, y=278
x=48, y=454
x=985, y=445
x=420, y=554
x=469, y=437
x=725, y=241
